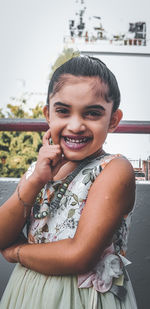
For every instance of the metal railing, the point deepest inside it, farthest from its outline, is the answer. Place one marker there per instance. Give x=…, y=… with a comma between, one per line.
x=38, y=125
x=139, y=270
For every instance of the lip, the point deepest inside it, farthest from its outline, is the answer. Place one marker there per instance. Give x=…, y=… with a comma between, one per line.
x=76, y=142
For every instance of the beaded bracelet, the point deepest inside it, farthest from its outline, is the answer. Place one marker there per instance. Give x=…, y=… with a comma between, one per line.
x=25, y=205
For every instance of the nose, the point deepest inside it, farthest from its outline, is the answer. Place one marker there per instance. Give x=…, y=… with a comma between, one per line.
x=76, y=125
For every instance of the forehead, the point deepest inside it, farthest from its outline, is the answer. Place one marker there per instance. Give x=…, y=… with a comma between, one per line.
x=98, y=87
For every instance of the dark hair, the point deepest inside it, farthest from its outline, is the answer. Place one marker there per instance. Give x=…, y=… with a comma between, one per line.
x=90, y=67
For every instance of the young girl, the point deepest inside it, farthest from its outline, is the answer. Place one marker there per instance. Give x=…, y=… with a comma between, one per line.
x=78, y=200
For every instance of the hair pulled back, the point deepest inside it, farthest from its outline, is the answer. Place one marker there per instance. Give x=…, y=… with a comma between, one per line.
x=89, y=67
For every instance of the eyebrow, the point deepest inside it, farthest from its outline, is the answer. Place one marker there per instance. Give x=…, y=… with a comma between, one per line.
x=96, y=106
x=61, y=104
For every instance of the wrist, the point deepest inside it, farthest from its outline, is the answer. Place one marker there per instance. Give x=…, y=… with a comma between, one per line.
x=23, y=203
x=27, y=192
x=37, y=181
x=18, y=254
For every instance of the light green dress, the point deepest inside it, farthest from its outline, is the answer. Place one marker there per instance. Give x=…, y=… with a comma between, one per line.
x=106, y=286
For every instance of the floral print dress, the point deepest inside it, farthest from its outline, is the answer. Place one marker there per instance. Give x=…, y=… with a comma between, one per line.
x=106, y=286
x=62, y=223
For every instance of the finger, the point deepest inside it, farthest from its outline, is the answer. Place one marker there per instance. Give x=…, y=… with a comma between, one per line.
x=46, y=137
x=56, y=156
x=60, y=160
x=49, y=152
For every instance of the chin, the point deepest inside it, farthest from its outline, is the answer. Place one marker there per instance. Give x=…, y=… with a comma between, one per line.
x=75, y=156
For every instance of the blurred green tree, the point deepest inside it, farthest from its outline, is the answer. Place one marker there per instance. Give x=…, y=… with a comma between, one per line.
x=65, y=55
x=19, y=149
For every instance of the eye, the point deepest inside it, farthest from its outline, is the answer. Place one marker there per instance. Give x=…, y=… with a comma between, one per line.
x=63, y=111
x=93, y=114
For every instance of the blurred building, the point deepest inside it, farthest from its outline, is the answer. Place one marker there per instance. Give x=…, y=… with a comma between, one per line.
x=141, y=169
x=146, y=168
x=89, y=29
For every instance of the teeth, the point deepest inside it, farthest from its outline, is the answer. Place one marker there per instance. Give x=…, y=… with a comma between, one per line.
x=71, y=140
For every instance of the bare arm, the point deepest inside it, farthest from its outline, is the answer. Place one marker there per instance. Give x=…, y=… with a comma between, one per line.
x=12, y=212
x=12, y=217
x=110, y=197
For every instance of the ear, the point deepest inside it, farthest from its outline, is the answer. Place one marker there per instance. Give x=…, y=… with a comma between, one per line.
x=114, y=120
x=46, y=113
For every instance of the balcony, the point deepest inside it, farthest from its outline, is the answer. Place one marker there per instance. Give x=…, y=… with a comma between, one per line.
x=139, y=245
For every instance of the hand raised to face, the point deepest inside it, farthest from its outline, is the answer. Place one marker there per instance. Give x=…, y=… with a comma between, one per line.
x=49, y=161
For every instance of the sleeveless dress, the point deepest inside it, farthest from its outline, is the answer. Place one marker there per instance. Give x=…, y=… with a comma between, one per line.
x=106, y=286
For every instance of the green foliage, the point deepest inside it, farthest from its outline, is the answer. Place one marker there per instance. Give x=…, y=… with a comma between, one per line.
x=37, y=112
x=17, y=108
x=66, y=54
x=19, y=149
x=1, y=114
x=15, y=111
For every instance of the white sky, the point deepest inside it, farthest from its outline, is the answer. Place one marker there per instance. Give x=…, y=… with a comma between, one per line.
x=31, y=37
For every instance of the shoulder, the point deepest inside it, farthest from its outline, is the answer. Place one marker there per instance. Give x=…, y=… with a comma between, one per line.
x=118, y=166
x=117, y=180
x=115, y=165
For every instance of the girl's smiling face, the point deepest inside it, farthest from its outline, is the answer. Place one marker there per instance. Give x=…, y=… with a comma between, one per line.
x=80, y=118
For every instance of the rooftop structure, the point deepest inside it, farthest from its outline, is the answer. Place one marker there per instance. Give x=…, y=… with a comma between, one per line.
x=88, y=31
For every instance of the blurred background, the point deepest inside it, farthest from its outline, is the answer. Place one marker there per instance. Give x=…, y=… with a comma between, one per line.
x=36, y=37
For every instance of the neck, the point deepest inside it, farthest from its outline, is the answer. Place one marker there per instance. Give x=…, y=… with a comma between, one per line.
x=98, y=153
x=65, y=170
x=69, y=167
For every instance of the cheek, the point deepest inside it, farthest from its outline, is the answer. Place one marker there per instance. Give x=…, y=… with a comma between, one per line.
x=100, y=132
x=53, y=120
x=55, y=128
